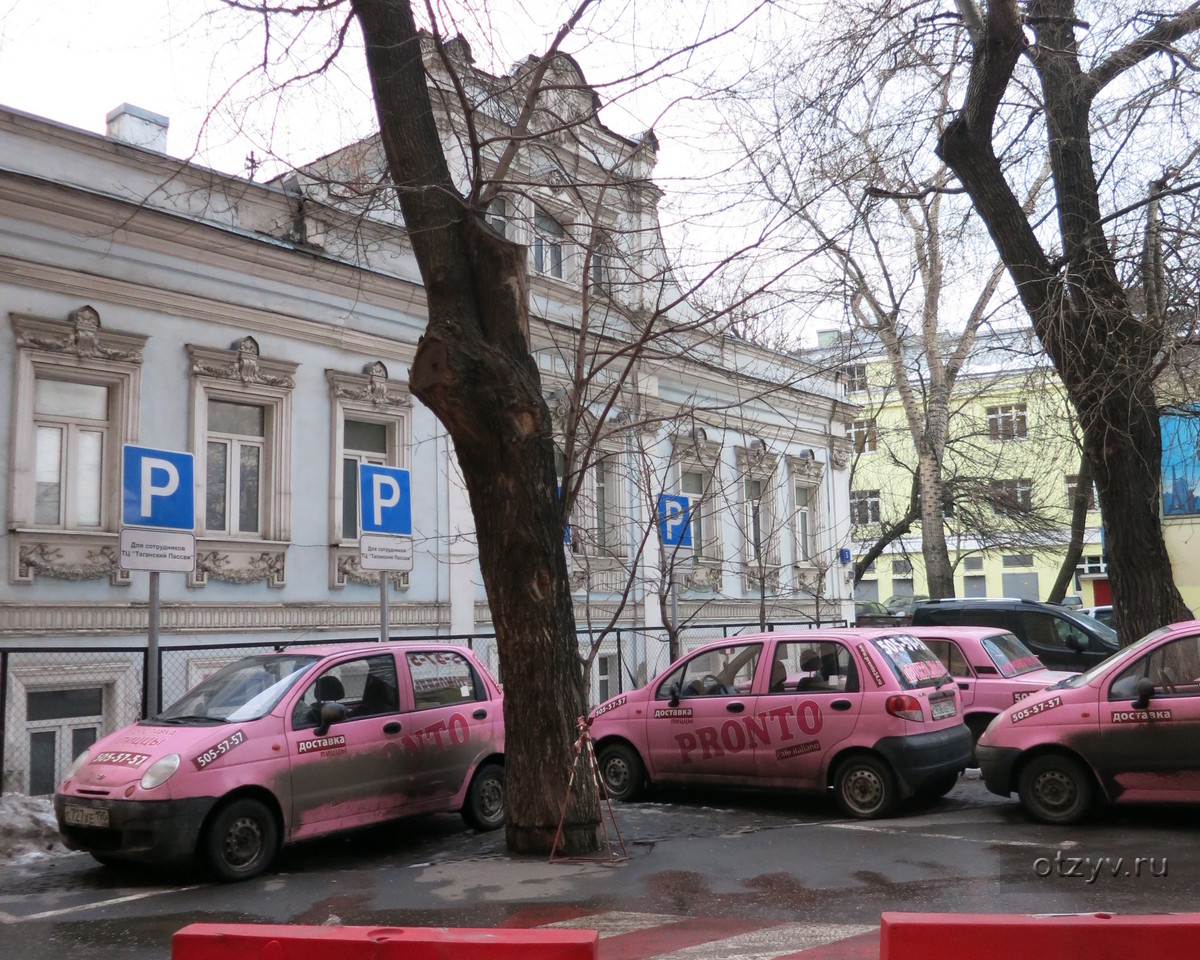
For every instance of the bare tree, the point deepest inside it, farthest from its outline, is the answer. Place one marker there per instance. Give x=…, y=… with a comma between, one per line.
x=1090, y=285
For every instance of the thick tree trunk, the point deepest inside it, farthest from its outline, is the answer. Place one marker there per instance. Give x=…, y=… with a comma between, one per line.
x=474, y=371
x=1103, y=353
x=1079, y=512
x=939, y=573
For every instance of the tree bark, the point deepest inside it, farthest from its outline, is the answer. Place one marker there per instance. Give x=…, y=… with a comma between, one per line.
x=473, y=369
x=1103, y=353
x=1079, y=511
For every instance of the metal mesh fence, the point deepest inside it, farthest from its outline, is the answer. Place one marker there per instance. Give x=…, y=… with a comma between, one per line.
x=56, y=701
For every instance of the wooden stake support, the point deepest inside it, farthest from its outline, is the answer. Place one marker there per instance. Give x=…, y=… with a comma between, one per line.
x=585, y=775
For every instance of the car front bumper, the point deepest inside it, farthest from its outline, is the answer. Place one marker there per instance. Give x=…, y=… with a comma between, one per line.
x=922, y=759
x=158, y=831
x=996, y=765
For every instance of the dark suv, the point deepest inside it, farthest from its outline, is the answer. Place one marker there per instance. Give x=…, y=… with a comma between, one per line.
x=1062, y=639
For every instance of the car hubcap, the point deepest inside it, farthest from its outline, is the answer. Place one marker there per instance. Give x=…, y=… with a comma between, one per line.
x=616, y=776
x=243, y=842
x=491, y=800
x=864, y=789
x=1054, y=790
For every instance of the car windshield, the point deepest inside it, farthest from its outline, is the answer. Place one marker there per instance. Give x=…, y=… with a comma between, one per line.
x=1125, y=655
x=245, y=690
x=1010, y=655
x=913, y=663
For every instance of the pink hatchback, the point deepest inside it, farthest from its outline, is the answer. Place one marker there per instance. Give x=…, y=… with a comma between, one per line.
x=288, y=745
x=871, y=713
x=993, y=669
x=1126, y=731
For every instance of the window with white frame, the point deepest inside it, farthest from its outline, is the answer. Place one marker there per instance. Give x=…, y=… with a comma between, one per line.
x=498, y=217
x=75, y=404
x=1073, y=487
x=856, y=377
x=607, y=527
x=71, y=421
x=549, y=240
x=370, y=426
x=696, y=484
x=1011, y=496
x=804, y=505
x=1007, y=422
x=863, y=435
x=241, y=425
x=864, y=507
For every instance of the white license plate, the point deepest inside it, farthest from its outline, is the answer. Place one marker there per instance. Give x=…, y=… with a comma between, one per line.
x=942, y=709
x=85, y=816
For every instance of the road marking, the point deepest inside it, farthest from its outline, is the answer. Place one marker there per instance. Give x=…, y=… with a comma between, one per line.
x=869, y=828
x=47, y=914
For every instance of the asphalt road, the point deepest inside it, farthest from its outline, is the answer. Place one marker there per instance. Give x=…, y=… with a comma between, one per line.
x=690, y=853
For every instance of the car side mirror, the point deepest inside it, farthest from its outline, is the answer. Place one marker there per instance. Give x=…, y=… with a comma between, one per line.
x=331, y=712
x=1145, y=690
x=673, y=690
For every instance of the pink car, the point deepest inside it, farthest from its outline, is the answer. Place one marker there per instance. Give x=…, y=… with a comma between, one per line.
x=871, y=713
x=284, y=746
x=992, y=668
x=1126, y=731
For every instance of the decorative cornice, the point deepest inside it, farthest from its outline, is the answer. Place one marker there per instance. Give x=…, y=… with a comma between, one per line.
x=348, y=568
x=64, y=556
x=239, y=562
x=704, y=576
x=371, y=386
x=79, y=337
x=242, y=364
x=86, y=621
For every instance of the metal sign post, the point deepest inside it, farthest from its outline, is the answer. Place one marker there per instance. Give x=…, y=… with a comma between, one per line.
x=158, y=516
x=675, y=532
x=385, y=521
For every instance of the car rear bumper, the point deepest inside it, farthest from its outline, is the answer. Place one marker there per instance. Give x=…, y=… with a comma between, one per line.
x=996, y=765
x=921, y=759
x=161, y=831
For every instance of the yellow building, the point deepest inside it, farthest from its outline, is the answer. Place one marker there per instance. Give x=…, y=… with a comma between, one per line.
x=1010, y=467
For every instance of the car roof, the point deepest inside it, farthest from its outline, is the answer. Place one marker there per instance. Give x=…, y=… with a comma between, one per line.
x=954, y=630
x=367, y=646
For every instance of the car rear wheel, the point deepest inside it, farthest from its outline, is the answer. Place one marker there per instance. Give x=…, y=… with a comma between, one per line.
x=622, y=771
x=865, y=788
x=1055, y=788
x=241, y=840
x=484, y=806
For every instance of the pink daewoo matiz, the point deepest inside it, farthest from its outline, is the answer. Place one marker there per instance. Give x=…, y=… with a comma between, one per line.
x=871, y=713
x=283, y=746
x=1127, y=730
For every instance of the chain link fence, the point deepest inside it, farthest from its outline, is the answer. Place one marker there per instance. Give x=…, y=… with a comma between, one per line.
x=56, y=701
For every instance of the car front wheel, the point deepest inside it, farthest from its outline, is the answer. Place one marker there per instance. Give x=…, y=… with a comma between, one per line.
x=1055, y=788
x=484, y=806
x=241, y=840
x=865, y=788
x=622, y=771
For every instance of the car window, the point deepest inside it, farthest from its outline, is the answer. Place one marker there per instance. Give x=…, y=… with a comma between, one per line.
x=716, y=672
x=1010, y=655
x=1174, y=669
x=912, y=663
x=244, y=690
x=948, y=652
x=813, y=666
x=442, y=678
x=1041, y=629
x=365, y=686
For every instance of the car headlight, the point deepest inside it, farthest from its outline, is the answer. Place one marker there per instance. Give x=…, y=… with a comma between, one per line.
x=78, y=762
x=160, y=771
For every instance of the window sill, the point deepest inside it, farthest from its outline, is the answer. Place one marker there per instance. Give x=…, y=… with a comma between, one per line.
x=239, y=561
x=65, y=555
x=344, y=568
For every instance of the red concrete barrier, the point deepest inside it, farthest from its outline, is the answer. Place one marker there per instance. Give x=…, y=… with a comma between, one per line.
x=237, y=941
x=1073, y=936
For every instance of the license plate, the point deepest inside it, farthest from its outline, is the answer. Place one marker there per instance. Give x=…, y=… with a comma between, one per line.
x=85, y=816
x=942, y=709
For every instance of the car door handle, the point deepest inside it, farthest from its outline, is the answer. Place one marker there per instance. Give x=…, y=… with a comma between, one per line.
x=480, y=714
x=963, y=686
x=735, y=707
x=840, y=705
x=392, y=727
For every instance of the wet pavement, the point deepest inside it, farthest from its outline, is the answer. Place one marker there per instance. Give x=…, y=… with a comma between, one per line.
x=742, y=863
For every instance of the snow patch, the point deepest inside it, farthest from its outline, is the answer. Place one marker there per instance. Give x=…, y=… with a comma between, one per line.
x=28, y=829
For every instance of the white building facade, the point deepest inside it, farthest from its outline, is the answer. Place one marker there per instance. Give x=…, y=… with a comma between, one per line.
x=146, y=300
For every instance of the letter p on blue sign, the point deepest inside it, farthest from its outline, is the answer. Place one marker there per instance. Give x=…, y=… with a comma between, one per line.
x=385, y=499
x=157, y=488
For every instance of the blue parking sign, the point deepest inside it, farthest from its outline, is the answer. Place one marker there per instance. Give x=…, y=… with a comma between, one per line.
x=385, y=500
x=157, y=488
x=674, y=520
